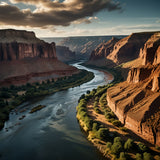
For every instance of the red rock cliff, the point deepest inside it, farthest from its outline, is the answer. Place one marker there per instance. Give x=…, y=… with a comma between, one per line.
x=25, y=58
x=16, y=45
x=99, y=55
x=128, y=48
x=136, y=102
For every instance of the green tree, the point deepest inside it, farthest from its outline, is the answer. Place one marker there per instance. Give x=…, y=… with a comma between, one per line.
x=116, y=148
x=139, y=156
x=108, y=145
x=103, y=134
x=147, y=156
x=142, y=147
x=129, y=144
x=118, y=139
x=122, y=156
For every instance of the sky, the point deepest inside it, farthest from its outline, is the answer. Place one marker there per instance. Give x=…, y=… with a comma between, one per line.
x=63, y=18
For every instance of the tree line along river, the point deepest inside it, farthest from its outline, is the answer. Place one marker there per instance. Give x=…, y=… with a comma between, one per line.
x=52, y=133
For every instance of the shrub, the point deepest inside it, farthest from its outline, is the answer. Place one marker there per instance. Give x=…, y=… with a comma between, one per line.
x=95, y=127
x=147, y=156
x=5, y=94
x=108, y=145
x=118, y=139
x=97, y=110
x=96, y=99
x=116, y=123
x=142, y=147
x=129, y=144
x=111, y=120
x=109, y=114
x=139, y=156
x=2, y=103
x=124, y=129
x=122, y=156
x=103, y=134
x=116, y=148
x=88, y=122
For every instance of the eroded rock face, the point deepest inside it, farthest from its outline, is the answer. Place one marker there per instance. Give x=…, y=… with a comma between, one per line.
x=137, y=105
x=99, y=55
x=150, y=52
x=103, y=50
x=136, y=102
x=18, y=51
x=25, y=58
x=128, y=48
x=17, y=45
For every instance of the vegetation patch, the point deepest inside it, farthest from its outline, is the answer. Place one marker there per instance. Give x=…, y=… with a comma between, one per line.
x=11, y=97
x=113, y=144
x=37, y=108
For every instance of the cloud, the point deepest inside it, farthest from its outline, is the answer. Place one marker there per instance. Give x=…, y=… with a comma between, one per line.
x=54, y=13
x=158, y=21
x=85, y=20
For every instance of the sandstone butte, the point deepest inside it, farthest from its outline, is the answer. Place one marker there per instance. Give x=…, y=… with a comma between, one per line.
x=136, y=101
x=25, y=58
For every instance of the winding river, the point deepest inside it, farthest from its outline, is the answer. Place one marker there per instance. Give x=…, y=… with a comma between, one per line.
x=52, y=133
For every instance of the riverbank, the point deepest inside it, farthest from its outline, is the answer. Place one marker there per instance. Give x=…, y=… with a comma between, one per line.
x=115, y=72
x=16, y=95
x=106, y=132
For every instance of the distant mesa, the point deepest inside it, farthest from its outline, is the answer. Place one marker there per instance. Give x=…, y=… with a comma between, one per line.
x=25, y=58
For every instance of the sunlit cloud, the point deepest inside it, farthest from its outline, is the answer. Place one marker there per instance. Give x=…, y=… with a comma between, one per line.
x=54, y=13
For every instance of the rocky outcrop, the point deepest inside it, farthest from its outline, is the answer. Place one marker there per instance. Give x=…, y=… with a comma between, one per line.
x=150, y=51
x=104, y=49
x=64, y=54
x=17, y=45
x=136, y=102
x=25, y=58
x=99, y=55
x=128, y=48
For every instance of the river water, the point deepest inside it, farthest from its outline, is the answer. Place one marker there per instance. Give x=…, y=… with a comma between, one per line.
x=52, y=133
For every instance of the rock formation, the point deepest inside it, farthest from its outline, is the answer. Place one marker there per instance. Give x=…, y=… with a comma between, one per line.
x=64, y=54
x=136, y=102
x=82, y=46
x=128, y=48
x=25, y=58
x=99, y=55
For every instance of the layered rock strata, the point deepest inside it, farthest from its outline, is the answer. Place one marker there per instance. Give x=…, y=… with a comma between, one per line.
x=136, y=102
x=25, y=58
x=99, y=55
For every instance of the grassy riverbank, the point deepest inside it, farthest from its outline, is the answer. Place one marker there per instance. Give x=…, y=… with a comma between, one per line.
x=106, y=132
x=15, y=95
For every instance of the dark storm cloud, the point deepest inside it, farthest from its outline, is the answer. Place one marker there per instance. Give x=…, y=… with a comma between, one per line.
x=52, y=12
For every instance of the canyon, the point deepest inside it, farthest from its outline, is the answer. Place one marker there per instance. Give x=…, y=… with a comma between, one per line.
x=26, y=59
x=82, y=45
x=136, y=100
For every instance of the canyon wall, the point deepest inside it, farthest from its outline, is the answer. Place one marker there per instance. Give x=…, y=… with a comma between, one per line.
x=136, y=102
x=25, y=58
x=99, y=55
